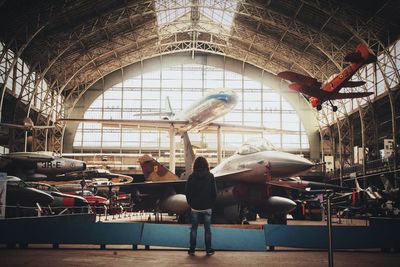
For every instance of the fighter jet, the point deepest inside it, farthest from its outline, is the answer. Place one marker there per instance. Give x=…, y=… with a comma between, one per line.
x=62, y=202
x=21, y=200
x=198, y=116
x=35, y=166
x=241, y=182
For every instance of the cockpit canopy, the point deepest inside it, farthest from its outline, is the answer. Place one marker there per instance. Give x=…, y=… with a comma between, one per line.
x=255, y=145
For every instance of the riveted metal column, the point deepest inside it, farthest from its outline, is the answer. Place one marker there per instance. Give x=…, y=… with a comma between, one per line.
x=345, y=145
x=172, y=148
x=392, y=101
x=328, y=146
x=219, y=145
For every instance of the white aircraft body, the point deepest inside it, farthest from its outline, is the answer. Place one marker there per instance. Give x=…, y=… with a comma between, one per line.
x=198, y=116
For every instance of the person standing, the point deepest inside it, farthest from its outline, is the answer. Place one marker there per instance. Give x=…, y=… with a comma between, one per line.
x=201, y=193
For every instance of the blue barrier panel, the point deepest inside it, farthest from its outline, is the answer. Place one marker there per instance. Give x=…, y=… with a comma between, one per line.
x=222, y=238
x=81, y=229
x=68, y=229
x=301, y=236
x=387, y=231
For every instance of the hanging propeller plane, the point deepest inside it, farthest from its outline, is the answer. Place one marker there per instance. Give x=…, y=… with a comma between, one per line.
x=319, y=92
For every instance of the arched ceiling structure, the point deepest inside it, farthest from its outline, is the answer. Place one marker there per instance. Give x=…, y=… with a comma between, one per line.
x=93, y=38
x=74, y=43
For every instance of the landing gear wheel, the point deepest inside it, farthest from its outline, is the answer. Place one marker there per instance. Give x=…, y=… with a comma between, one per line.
x=334, y=108
x=319, y=107
x=278, y=219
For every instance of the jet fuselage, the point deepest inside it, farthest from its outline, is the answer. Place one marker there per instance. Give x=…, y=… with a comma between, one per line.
x=281, y=164
x=208, y=108
x=60, y=166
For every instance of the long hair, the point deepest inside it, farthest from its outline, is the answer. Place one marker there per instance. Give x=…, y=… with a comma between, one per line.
x=200, y=164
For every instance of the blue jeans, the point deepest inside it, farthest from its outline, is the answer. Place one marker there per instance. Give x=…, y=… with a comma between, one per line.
x=207, y=228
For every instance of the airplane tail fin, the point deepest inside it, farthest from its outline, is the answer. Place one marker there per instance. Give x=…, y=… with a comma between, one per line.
x=189, y=155
x=154, y=171
x=168, y=107
x=362, y=54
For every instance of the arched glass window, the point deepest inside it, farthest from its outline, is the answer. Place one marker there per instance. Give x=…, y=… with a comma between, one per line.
x=258, y=105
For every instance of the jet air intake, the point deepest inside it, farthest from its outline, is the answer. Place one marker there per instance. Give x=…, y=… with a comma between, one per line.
x=174, y=204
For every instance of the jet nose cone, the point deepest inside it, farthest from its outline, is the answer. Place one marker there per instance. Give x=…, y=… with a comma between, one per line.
x=286, y=164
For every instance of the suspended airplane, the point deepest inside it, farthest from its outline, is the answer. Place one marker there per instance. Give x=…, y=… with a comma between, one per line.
x=36, y=166
x=27, y=124
x=198, y=116
x=241, y=182
x=319, y=92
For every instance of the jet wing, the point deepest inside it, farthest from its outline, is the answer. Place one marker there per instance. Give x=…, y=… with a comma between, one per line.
x=160, y=187
x=213, y=127
x=299, y=78
x=142, y=124
x=285, y=186
x=304, y=184
x=28, y=157
x=177, y=185
x=220, y=175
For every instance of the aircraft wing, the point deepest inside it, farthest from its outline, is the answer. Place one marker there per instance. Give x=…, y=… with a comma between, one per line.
x=213, y=127
x=353, y=83
x=285, y=186
x=220, y=175
x=349, y=95
x=154, y=187
x=304, y=184
x=299, y=78
x=142, y=124
x=28, y=157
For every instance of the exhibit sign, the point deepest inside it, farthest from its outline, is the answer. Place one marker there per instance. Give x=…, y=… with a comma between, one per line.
x=387, y=148
x=3, y=190
x=329, y=163
x=358, y=155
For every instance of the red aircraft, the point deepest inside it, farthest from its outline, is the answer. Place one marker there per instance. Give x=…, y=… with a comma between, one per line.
x=329, y=90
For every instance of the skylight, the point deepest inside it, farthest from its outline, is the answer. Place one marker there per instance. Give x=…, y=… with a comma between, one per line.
x=219, y=12
x=170, y=10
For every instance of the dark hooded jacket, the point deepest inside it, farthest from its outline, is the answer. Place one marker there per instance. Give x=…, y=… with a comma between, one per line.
x=201, y=190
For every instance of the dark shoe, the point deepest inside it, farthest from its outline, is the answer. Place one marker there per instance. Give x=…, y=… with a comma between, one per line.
x=191, y=251
x=210, y=252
